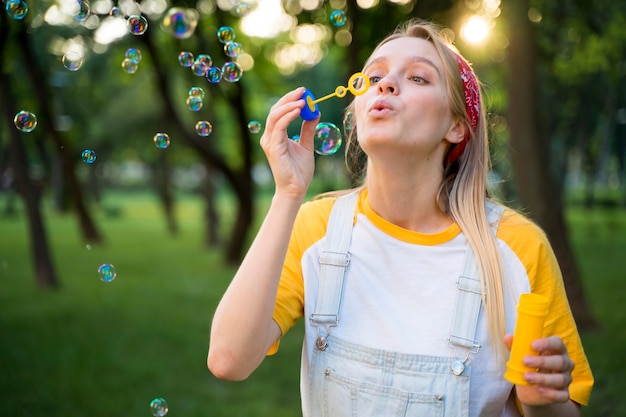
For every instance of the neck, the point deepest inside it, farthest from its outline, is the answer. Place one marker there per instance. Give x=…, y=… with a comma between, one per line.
x=407, y=198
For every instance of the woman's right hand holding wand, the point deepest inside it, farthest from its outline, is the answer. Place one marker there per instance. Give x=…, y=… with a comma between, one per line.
x=292, y=163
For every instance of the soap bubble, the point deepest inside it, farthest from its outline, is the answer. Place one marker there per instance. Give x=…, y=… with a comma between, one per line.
x=254, y=126
x=180, y=22
x=25, y=121
x=196, y=92
x=158, y=406
x=327, y=139
x=194, y=103
x=186, y=59
x=214, y=75
x=201, y=65
x=233, y=49
x=72, y=60
x=225, y=34
x=88, y=156
x=134, y=55
x=204, y=128
x=199, y=68
x=205, y=58
x=115, y=12
x=338, y=18
x=242, y=9
x=82, y=10
x=232, y=72
x=137, y=24
x=129, y=66
x=16, y=9
x=348, y=122
x=107, y=272
x=161, y=140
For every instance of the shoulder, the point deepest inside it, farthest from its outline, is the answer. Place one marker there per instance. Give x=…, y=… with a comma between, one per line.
x=531, y=246
x=518, y=230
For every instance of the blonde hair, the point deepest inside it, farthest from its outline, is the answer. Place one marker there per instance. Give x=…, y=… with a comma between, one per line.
x=463, y=192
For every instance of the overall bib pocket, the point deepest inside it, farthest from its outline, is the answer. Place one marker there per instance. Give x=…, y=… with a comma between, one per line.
x=345, y=396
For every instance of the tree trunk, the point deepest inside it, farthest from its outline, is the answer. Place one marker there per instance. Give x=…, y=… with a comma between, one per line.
x=211, y=235
x=240, y=180
x=164, y=191
x=45, y=274
x=536, y=187
x=67, y=157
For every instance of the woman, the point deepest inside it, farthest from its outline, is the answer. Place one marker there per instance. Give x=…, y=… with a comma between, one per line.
x=409, y=289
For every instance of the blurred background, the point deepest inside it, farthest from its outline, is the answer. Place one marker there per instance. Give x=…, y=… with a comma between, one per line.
x=131, y=180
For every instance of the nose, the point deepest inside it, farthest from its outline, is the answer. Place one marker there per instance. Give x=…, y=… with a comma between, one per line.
x=387, y=85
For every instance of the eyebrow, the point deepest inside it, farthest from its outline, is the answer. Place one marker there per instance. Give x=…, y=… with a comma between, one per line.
x=412, y=59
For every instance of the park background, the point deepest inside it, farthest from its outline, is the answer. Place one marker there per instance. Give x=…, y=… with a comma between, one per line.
x=175, y=221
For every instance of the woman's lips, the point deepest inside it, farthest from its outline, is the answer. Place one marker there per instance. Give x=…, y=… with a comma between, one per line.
x=379, y=108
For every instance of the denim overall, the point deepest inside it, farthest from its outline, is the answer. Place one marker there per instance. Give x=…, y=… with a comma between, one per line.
x=346, y=379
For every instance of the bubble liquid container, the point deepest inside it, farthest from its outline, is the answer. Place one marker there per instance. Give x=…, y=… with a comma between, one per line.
x=531, y=314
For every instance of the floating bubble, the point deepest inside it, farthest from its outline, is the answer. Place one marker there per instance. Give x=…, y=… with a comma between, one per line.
x=72, y=60
x=233, y=49
x=88, y=246
x=205, y=58
x=254, y=126
x=199, y=68
x=338, y=18
x=161, y=140
x=82, y=10
x=204, y=128
x=232, y=72
x=115, y=12
x=242, y=9
x=214, y=75
x=137, y=24
x=129, y=66
x=225, y=34
x=158, y=406
x=186, y=59
x=348, y=122
x=16, y=9
x=196, y=92
x=180, y=22
x=107, y=272
x=327, y=139
x=88, y=156
x=25, y=121
x=194, y=103
x=134, y=55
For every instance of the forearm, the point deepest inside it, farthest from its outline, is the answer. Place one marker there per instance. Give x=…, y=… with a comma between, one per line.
x=242, y=328
x=568, y=409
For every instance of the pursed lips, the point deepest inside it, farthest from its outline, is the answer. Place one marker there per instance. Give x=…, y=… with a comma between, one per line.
x=379, y=107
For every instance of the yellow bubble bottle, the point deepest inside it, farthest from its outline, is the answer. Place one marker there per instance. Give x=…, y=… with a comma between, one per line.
x=531, y=313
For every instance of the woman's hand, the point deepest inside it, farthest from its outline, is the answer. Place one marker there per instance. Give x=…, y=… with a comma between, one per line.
x=292, y=163
x=550, y=384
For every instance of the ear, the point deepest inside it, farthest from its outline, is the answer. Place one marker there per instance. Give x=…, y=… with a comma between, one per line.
x=457, y=132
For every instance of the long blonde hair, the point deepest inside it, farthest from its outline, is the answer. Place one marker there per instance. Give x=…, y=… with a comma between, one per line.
x=463, y=192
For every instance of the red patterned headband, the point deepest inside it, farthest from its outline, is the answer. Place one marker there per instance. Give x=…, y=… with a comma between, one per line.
x=472, y=105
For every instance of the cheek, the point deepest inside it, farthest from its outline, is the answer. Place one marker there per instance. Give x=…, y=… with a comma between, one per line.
x=359, y=106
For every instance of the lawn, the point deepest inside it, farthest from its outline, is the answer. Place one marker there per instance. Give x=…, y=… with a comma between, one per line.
x=98, y=349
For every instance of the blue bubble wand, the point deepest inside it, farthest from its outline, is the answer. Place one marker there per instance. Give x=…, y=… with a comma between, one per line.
x=357, y=85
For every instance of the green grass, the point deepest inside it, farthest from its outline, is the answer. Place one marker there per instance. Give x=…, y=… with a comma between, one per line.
x=100, y=349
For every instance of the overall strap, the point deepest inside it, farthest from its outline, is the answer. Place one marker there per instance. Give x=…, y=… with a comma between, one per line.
x=469, y=299
x=333, y=262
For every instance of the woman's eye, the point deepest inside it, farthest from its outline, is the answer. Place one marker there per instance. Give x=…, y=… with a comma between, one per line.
x=417, y=79
x=374, y=79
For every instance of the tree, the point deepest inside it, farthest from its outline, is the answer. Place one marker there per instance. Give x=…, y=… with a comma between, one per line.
x=537, y=189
